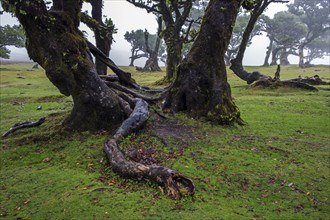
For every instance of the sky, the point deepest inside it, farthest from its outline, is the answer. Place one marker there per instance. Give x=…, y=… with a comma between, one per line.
x=127, y=17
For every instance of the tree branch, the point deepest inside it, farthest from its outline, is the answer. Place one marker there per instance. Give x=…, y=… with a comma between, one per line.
x=143, y=4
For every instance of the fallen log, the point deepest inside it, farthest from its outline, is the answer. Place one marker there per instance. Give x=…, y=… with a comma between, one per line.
x=272, y=83
x=313, y=80
x=175, y=183
x=260, y=80
x=239, y=71
x=23, y=125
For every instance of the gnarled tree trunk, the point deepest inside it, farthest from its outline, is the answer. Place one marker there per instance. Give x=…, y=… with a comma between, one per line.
x=284, y=57
x=268, y=52
x=174, y=53
x=201, y=87
x=151, y=64
x=54, y=41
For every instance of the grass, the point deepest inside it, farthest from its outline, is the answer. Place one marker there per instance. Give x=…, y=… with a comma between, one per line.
x=275, y=167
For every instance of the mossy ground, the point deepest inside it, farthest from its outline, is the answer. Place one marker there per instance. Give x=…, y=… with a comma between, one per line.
x=275, y=167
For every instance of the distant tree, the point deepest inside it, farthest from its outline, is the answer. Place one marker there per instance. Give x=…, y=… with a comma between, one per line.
x=10, y=36
x=267, y=27
x=151, y=64
x=174, y=14
x=139, y=45
x=315, y=14
x=318, y=48
x=136, y=39
x=286, y=31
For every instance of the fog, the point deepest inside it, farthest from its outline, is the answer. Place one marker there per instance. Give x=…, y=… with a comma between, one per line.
x=126, y=17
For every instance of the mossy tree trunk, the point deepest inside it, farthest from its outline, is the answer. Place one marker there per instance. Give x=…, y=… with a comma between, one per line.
x=103, y=39
x=284, y=57
x=174, y=46
x=174, y=14
x=151, y=64
x=201, y=88
x=54, y=41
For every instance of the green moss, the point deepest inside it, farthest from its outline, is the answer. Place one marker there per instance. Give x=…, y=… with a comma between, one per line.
x=275, y=167
x=225, y=115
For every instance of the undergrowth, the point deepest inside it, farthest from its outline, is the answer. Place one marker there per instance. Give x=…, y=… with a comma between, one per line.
x=275, y=167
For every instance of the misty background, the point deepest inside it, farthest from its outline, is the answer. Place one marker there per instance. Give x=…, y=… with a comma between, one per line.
x=127, y=17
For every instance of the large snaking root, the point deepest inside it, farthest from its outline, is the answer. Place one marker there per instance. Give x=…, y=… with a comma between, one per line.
x=175, y=183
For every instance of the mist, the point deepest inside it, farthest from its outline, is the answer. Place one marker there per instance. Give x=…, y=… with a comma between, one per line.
x=127, y=17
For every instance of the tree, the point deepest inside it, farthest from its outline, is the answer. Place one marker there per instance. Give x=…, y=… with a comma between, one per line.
x=55, y=42
x=315, y=14
x=147, y=45
x=286, y=32
x=201, y=88
x=257, y=8
x=151, y=64
x=192, y=25
x=103, y=31
x=261, y=79
x=318, y=48
x=10, y=36
x=174, y=14
x=136, y=39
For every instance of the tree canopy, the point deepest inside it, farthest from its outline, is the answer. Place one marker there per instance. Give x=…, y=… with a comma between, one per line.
x=136, y=39
x=315, y=15
x=10, y=36
x=174, y=14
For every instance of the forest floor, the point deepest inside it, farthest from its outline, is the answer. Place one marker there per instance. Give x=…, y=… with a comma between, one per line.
x=274, y=167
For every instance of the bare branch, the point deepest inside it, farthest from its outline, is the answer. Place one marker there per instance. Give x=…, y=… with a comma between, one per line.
x=27, y=124
x=143, y=4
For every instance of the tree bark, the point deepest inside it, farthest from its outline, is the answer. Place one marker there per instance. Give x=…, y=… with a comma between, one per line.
x=173, y=181
x=301, y=55
x=268, y=52
x=201, y=88
x=103, y=38
x=55, y=42
x=274, y=55
x=174, y=53
x=23, y=125
x=172, y=33
x=284, y=57
x=151, y=64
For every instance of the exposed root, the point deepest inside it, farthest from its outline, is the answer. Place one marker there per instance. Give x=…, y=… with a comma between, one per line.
x=22, y=125
x=175, y=183
x=121, y=88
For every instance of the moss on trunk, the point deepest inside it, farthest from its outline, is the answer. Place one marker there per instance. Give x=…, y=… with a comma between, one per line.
x=201, y=88
x=55, y=42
